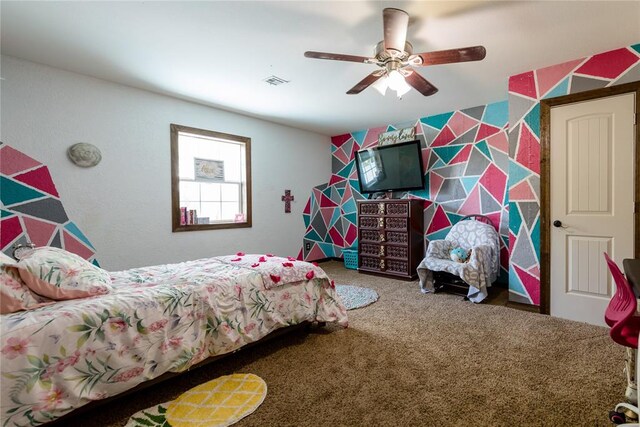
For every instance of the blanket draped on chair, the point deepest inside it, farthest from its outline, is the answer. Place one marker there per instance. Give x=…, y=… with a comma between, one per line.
x=479, y=271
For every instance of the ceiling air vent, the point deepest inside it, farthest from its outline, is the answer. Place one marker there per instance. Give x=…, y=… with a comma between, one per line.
x=275, y=80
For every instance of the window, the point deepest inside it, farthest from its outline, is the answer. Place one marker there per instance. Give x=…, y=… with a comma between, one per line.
x=210, y=179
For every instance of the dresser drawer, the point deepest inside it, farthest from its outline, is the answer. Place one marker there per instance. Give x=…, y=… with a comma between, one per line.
x=398, y=208
x=372, y=249
x=371, y=263
x=396, y=223
x=382, y=250
x=384, y=208
x=372, y=208
x=369, y=236
x=389, y=223
x=381, y=236
x=398, y=237
x=392, y=251
x=371, y=222
x=396, y=266
x=384, y=265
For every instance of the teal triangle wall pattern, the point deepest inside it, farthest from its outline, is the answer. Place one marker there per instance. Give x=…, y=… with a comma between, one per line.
x=616, y=65
x=454, y=164
x=32, y=211
x=508, y=116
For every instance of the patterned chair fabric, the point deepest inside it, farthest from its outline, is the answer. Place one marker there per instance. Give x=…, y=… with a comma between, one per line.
x=479, y=271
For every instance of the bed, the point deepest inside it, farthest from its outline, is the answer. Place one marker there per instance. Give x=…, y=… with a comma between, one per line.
x=155, y=320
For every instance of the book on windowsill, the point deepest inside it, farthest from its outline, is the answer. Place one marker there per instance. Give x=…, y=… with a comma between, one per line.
x=183, y=216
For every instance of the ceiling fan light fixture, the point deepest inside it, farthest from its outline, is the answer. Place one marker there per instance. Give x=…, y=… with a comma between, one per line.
x=403, y=89
x=381, y=85
x=397, y=82
x=395, y=79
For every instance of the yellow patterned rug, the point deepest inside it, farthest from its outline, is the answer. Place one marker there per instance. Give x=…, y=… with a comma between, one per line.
x=216, y=403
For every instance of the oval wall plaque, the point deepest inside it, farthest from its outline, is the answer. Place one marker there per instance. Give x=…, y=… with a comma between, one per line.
x=84, y=155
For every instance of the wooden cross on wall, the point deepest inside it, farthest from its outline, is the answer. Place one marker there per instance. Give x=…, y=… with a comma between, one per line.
x=287, y=199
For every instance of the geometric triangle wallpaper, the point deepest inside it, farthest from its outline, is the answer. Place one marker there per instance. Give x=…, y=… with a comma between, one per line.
x=600, y=70
x=483, y=159
x=462, y=178
x=32, y=211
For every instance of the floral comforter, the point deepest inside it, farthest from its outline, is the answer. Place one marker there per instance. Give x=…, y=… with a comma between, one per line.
x=158, y=319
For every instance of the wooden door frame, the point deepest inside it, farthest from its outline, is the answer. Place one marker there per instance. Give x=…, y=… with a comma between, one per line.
x=545, y=184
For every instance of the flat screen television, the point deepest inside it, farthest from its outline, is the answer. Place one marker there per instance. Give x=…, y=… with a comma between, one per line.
x=395, y=167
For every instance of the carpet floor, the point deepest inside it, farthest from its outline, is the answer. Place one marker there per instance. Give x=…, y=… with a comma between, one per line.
x=418, y=360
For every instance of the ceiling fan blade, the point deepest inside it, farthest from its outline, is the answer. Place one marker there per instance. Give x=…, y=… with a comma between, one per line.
x=366, y=82
x=395, y=22
x=420, y=84
x=464, y=54
x=338, y=57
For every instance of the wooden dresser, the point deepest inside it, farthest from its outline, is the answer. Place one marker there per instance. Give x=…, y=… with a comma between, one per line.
x=390, y=237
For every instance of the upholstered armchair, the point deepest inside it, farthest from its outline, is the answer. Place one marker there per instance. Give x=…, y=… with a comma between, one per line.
x=483, y=265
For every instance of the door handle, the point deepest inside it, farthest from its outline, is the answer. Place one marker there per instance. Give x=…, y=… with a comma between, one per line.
x=558, y=224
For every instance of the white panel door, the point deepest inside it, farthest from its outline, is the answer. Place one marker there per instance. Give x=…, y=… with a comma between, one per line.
x=592, y=176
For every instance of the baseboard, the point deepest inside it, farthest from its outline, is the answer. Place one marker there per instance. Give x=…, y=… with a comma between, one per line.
x=524, y=307
x=503, y=285
x=319, y=261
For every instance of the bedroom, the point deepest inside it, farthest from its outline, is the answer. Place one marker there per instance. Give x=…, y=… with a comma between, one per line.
x=71, y=75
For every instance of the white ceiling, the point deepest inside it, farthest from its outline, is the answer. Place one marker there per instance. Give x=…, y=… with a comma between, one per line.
x=218, y=52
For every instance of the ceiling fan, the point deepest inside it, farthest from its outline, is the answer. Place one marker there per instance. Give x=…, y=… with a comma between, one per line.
x=394, y=55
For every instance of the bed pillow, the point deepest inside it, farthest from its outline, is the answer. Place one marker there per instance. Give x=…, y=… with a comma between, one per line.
x=60, y=275
x=14, y=294
x=6, y=259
